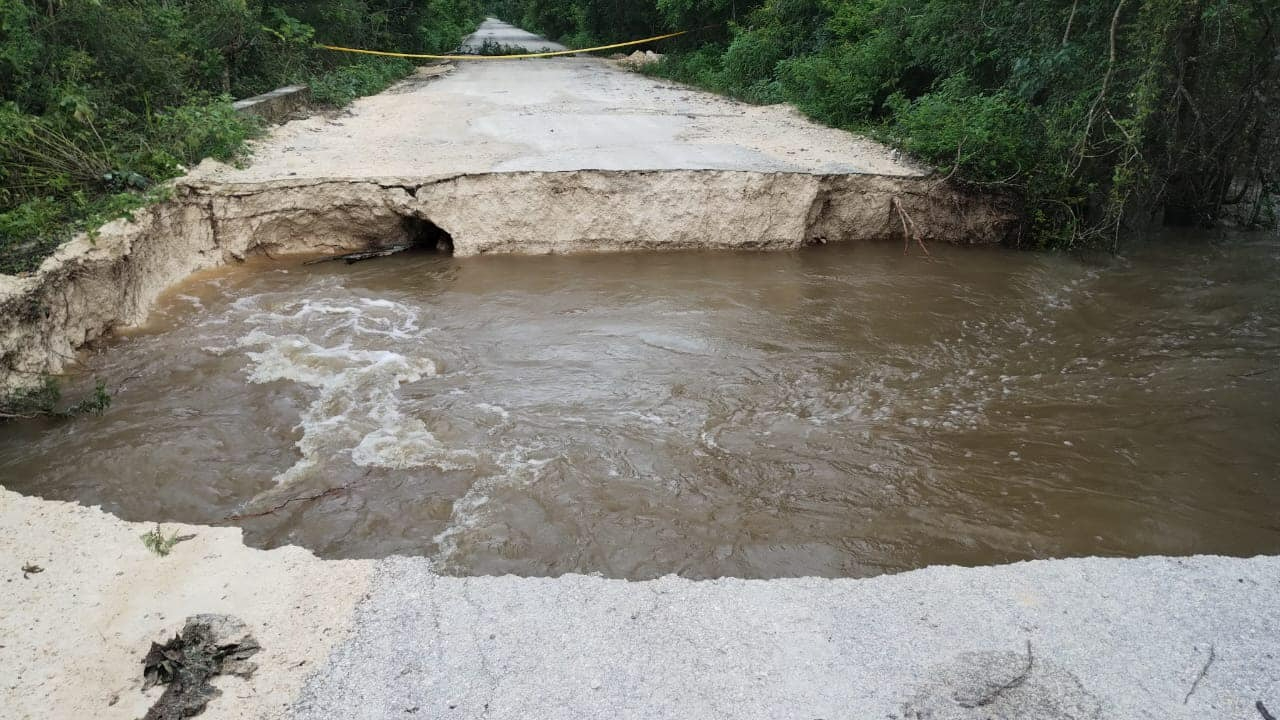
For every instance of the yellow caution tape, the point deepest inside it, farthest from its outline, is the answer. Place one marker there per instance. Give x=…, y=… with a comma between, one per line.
x=502, y=57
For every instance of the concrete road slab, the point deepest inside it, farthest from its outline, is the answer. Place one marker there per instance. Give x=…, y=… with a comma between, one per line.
x=1045, y=640
x=553, y=114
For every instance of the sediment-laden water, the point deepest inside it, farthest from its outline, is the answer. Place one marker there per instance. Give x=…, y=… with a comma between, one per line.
x=841, y=411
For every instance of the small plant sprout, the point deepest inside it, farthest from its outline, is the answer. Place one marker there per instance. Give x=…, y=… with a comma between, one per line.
x=157, y=542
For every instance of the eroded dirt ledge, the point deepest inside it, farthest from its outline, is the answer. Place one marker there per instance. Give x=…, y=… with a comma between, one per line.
x=92, y=285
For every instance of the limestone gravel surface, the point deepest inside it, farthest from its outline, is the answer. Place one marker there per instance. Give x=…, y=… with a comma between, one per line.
x=1049, y=640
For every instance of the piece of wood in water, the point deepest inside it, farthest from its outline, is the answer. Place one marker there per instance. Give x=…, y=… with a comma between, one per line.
x=356, y=257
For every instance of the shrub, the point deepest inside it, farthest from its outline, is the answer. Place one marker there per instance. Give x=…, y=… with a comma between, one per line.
x=200, y=130
x=348, y=82
x=700, y=67
x=988, y=134
x=30, y=231
x=44, y=400
x=750, y=59
x=101, y=99
x=38, y=155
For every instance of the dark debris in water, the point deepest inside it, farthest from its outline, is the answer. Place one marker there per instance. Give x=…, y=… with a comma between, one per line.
x=208, y=645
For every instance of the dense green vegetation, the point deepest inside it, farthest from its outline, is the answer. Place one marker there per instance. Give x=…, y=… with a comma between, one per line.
x=1102, y=114
x=102, y=99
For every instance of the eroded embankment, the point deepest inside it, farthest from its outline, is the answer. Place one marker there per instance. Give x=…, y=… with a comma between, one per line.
x=92, y=285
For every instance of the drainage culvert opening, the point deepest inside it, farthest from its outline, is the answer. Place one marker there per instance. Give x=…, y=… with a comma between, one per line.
x=426, y=235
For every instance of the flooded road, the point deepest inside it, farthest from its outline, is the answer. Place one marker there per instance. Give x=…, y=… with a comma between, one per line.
x=840, y=411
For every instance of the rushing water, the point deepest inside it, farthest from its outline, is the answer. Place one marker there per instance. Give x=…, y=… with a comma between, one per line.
x=839, y=411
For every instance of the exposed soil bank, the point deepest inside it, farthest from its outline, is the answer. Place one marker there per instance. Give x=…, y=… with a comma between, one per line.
x=92, y=285
x=1108, y=639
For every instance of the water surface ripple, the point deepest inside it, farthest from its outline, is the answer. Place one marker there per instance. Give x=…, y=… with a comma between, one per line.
x=839, y=411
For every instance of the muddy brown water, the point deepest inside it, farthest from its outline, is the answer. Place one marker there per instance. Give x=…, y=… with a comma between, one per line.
x=839, y=411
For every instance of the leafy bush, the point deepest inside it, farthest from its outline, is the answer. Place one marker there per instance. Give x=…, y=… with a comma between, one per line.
x=45, y=400
x=41, y=155
x=29, y=232
x=189, y=133
x=348, y=82
x=101, y=99
x=703, y=66
x=59, y=176
x=750, y=59
x=988, y=135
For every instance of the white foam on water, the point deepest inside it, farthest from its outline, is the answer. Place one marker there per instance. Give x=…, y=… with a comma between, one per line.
x=708, y=440
x=495, y=409
x=406, y=443
x=357, y=367
x=371, y=317
x=649, y=418
x=191, y=300
x=517, y=469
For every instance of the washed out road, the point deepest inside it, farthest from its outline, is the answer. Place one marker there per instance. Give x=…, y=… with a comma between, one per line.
x=1169, y=638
